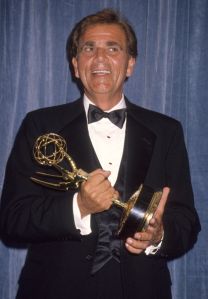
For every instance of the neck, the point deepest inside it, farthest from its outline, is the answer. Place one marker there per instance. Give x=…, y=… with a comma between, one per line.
x=105, y=102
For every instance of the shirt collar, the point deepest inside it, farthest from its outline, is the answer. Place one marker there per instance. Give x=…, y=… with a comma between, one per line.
x=121, y=104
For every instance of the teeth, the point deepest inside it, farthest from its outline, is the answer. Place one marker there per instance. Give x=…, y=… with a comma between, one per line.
x=101, y=72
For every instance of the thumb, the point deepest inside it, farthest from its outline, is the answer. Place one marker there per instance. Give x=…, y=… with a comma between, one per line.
x=163, y=200
x=105, y=173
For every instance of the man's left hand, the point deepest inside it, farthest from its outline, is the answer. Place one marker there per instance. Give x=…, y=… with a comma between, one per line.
x=154, y=232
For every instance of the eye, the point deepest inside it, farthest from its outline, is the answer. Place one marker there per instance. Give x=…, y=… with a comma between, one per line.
x=87, y=49
x=114, y=49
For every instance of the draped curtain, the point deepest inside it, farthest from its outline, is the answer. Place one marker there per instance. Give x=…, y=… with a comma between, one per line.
x=171, y=77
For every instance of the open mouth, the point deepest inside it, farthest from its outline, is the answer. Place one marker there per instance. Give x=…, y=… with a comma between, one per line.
x=101, y=72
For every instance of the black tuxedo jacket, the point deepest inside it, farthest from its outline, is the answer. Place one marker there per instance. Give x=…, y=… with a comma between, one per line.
x=59, y=259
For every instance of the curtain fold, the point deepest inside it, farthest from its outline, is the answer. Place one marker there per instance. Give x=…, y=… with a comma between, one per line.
x=170, y=77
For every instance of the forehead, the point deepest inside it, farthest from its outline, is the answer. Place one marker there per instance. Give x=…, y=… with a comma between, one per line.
x=104, y=33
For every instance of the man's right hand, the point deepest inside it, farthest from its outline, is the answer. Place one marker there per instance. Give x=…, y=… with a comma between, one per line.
x=96, y=193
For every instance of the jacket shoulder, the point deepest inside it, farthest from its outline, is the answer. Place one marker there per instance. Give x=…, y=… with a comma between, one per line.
x=54, y=117
x=155, y=121
x=58, y=110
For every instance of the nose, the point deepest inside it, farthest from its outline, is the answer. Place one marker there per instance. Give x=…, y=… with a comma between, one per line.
x=100, y=53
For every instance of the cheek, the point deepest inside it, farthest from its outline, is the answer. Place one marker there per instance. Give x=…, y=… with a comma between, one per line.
x=83, y=67
x=120, y=66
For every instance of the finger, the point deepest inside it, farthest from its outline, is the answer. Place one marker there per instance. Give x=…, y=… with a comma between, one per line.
x=136, y=246
x=154, y=221
x=163, y=200
x=143, y=236
x=98, y=177
x=103, y=186
x=115, y=195
x=133, y=250
x=106, y=196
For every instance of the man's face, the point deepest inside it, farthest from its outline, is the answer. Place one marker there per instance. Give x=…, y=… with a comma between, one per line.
x=102, y=62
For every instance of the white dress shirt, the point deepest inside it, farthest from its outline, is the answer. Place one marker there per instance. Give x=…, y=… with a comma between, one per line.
x=108, y=142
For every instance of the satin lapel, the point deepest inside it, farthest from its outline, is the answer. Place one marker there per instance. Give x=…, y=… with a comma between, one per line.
x=138, y=149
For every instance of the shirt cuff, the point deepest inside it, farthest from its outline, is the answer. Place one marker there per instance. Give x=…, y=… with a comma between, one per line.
x=83, y=224
x=153, y=249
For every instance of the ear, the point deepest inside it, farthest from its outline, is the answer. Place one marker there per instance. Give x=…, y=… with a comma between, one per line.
x=75, y=65
x=130, y=68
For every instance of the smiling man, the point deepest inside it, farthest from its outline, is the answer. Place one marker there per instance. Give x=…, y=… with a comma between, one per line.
x=103, y=64
x=74, y=250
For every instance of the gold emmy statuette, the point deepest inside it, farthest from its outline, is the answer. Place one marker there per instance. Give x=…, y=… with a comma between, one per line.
x=51, y=150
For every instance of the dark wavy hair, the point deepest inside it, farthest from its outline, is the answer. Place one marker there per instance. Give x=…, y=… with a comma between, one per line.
x=105, y=16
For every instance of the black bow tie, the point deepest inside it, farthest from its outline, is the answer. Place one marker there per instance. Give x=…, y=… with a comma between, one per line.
x=117, y=117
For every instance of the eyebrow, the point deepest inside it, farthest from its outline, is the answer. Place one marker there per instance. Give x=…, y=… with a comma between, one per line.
x=108, y=43
x=88, y=43
x=112, y=43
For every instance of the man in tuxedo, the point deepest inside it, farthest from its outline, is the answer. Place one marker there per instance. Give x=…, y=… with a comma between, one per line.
x=74, y=250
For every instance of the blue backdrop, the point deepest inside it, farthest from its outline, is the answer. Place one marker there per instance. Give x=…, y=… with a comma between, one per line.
x=171, y=77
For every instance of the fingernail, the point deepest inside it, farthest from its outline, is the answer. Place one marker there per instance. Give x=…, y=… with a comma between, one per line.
x=137, y=236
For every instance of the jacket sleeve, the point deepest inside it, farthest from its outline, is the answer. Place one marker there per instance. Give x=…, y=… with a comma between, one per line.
x=30, y=212
x=181, y=223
